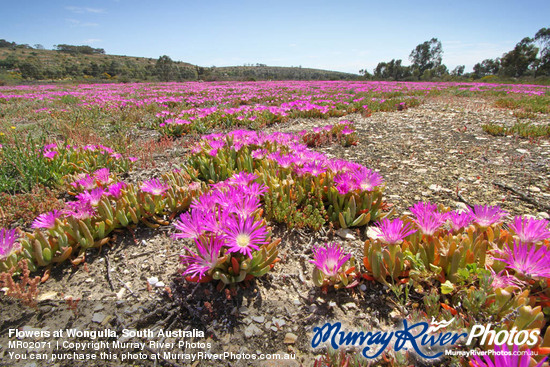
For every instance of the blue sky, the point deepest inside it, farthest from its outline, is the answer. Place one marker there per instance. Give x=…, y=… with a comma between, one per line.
x=335, y=35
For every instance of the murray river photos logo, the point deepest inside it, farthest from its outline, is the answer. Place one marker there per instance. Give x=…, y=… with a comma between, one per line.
x=420, y=337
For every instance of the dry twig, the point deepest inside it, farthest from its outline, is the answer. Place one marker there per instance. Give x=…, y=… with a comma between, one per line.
x=523, y=196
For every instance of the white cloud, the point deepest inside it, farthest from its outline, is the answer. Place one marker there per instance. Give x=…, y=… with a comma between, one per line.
x=83, y=10
x=78, y=23
x=92, y=40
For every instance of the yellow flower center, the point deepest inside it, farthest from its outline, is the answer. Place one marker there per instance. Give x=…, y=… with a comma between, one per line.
x=243, y=240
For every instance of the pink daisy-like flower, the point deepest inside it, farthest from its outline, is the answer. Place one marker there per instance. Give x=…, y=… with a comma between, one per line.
x=503, y=280
x=242, y=178
x=79, y=210
x=115, y=189
x=367, y=179
x=255, y=189
x=244, y=235
x=530, y=230
x=46, y=220
x=525, y=259
x=245, y=206
x=194, y=223
x=486, y=215
x=50, y=154
x=258, y=153
x=86, y=183
x=102, y=176
x=155, y=186
x=422, y=207
x=329, y=259
x=313, y=168
x=207, y=258
x=428, y=219
x=504, y=358
x=343, y=182
x=460, y=220
x=392, y=232
x=8, y=242
x=93, y=197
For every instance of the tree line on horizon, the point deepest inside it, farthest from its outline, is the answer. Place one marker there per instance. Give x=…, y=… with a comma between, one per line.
x=25, y=63
x=530, y=58
x=525, y=60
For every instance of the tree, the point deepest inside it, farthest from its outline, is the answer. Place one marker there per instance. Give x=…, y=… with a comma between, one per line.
x=392, y=70
x=518, y=61
x=427, y=55
x=365, y=73
x=164, y=68
x=31, y=68
x=486, y=67
x=543, y=38
x=458, y=71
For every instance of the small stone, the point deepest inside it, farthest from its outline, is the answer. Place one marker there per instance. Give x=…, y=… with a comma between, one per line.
x=152, y=280
x=252, y=330
x=160, y=285
x=362, y=288
x=395, y=314
x=46, y=296
x=522, y=151
x=533, y=189
x=349, y=306
x=278, y=322
x=89, y=280
x=120, y=293
x=243, y=310
x=346, y=234
x=332, y=304
x=98, y=308
x=544, y=215
x=373, y=233
x=421, y=170
x=435, y=187
x=290, y=338
x=313, y=308
x=258, y=319
x=98, y=317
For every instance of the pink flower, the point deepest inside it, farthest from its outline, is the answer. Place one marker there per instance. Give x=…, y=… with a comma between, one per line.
x=206, y=259
x=504, y=358
x=525, y=259
x=367, y=179
x=8, y=243
x=102, y=176
x=244, y=235
x=115, y=189
x=392, y=232
x=93, y=197
x=486, y=215
x=46, y=220
x=329, y=259
x=155, y=186
x=530, y=230
x=460, y=220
